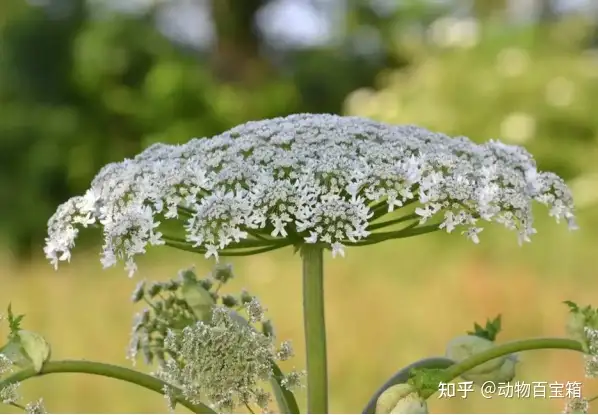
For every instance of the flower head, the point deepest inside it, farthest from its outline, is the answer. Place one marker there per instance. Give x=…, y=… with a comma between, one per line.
x=223, y=361
x=576, y=406
x=36, y=407
x=305, y=178
x=591, y=358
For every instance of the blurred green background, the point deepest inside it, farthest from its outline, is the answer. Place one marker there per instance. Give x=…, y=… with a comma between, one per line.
x=84, y=83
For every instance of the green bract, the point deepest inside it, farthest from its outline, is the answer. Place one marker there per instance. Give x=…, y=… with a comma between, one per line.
x=462, y=347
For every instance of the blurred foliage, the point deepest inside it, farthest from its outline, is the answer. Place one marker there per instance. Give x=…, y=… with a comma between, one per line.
x=533, y=85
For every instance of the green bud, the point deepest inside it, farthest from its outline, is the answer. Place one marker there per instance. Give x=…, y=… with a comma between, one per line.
x=145, y=317
x=188, y=275
x=138, y=292
x=268, y=328
x=229, y=301
x=401, y=399
x=223, y=273
x=206, y=283
x=171, y=285
x=246, y=297
x=463, y=347
x=154, y=289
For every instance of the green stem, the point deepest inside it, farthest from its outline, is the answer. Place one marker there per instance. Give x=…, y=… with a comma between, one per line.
x=315, y=328
x=110, y=371
x=504, y=350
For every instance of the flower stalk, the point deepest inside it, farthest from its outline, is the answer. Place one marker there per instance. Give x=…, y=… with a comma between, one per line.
x=505, y=350
x=106, y=370
x=315, y=328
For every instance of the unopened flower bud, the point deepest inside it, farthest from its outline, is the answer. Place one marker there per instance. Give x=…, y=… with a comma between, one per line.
x=401, y=399
x=246, y=297
x=138, y=292
x=171, y=285
x=206, y=283
x=463, y=347
x=229, y=301
x=188, y=275
x=145, y=317
x=268, y=328
x=154, y=289
x=223, y=273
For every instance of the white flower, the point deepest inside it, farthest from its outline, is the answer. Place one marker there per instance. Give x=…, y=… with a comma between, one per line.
x=305, y=178
x=576, y=406
x=591, y=358
x=223, y=361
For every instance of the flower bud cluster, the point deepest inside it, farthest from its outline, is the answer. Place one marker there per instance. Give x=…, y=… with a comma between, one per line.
x=214, y=354
x=583, y=326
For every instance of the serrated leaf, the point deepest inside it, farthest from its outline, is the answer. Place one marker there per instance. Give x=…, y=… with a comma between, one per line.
x=35, y=347
x=14, y=322
x=572, y=305
x=426, y=378
x=287, y=404
x=198, y=299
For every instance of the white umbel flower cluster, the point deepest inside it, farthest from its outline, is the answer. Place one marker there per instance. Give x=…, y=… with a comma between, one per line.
x=223, y=362
x=305, y=178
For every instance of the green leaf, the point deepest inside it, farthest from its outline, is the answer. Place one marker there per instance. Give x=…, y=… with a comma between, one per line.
x=198, y=299
x=493, y=327
x=426, y=378
x=14, y=322
x=36, y=348
x=572, y=306
x=287, y=404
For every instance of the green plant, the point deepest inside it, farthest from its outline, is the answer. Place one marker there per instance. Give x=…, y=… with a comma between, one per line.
x=314, y=182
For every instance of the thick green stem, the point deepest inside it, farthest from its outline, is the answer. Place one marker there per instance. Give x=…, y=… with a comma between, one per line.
x=110, y=371
x=315, y=328
x=503, y=350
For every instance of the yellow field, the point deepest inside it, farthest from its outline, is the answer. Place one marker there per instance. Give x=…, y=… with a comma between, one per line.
x=387, y=305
